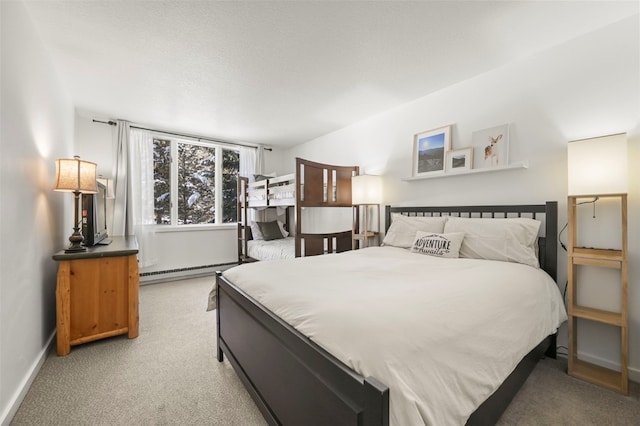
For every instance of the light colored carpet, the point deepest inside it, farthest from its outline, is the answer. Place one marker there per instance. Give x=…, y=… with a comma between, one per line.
x=169, y=376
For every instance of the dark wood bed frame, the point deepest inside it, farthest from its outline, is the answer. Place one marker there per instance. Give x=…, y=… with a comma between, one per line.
x=295, y=382
x=314, y=188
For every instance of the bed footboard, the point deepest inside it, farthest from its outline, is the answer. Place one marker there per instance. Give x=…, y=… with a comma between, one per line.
x=291, y=379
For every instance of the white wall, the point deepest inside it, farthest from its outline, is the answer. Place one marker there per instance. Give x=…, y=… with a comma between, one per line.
x=37, y=128
x=587, y=87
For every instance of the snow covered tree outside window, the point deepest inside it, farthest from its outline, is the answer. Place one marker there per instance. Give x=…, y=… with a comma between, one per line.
x=193, y=178
x=196, y=184
x=162, y=180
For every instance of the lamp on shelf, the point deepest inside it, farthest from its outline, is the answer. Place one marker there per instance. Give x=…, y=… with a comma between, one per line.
x=598, y=166
x=76, y=176
x=366, y=190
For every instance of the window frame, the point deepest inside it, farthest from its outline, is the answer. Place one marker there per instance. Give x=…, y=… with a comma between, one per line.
x=173, y=226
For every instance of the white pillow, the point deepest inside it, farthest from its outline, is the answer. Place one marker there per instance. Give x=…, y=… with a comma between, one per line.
x=285, y=234
x=255, y=231
x=509, y=239
x=403, y=229
x=257, y=234
x=439, y=245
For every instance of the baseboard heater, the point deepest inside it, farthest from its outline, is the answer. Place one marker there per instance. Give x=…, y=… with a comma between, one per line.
x=188, y=272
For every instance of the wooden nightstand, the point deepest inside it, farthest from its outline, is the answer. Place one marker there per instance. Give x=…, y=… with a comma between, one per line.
x=97, y=293
x=594, y=257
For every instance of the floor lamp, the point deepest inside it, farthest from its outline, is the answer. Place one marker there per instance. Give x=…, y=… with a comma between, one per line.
x=76, y=176
x=366, y=191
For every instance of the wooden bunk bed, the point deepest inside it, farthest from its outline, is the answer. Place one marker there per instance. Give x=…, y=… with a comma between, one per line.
x=294, y=380
x=312, y=185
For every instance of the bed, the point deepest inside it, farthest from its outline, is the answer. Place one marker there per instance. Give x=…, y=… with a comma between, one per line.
x=313, y=185
x=309, y=368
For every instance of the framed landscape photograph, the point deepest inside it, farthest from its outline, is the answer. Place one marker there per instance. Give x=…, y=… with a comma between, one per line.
x=459, y=160
x=491, y=147
x=429, y=151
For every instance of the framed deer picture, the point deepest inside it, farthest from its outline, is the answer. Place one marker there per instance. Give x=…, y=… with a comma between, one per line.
x=491, y=147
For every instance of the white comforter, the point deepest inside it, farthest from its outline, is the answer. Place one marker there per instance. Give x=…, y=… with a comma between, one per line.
x=282, y=248
x=442, y=334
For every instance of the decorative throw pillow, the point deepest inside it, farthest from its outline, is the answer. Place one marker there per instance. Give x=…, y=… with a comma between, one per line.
x=270, y=230
x=439, y=245
x=508, y=240
x=255, y=231
x=403, y=229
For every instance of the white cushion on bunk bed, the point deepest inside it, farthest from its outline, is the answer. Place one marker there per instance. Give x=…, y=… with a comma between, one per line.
x=284, y=248
x=441, y=333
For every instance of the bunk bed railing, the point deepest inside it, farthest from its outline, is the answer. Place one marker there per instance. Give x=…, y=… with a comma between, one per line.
x=327, y=186
x=334, y=191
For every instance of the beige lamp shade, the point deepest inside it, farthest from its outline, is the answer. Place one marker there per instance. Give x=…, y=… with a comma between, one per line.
x=366, y=189
x=598, y=166
x=74, y=174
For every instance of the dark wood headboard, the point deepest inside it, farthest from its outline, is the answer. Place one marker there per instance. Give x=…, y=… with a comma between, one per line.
x=547, y=213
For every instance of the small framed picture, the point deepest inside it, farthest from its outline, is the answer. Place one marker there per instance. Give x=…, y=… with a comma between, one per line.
x=459, y=160
x=491, y=147
x=429, y=151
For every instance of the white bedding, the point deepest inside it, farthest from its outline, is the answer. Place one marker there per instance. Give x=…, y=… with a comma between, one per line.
x=442, y=334
x=282, y=248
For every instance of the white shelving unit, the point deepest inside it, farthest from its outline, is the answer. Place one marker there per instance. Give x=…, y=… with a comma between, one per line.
x=517, y=165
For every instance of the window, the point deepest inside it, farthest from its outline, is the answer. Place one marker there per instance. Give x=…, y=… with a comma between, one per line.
x=200, y=187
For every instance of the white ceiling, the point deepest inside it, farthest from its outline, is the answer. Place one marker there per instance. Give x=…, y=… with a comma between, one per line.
x=283, y=73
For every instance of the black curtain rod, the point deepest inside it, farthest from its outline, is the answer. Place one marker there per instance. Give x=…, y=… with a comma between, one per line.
x=110, y=122
x=113, y=123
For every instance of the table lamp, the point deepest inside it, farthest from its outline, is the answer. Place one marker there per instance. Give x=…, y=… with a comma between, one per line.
x=76, y=176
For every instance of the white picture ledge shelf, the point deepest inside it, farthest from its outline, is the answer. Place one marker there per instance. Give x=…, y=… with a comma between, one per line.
x=518, y=165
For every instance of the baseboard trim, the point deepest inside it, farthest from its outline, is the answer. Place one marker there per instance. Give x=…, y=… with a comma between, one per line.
x=182, y=273
x=21, y=392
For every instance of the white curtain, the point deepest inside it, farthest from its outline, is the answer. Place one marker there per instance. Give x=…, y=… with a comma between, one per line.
x=122, y=213
x=133, y=211
x=248, y=162
x=259, y=160
x=141, y=158
x=247, y=168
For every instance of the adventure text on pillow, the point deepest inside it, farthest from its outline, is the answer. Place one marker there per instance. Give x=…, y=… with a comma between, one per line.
x=440, y=245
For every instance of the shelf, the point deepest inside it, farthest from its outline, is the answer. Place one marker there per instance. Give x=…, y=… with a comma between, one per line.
x=517, y=165
x=601, y=376
x=606, y=258
x=594, y=253
x=580, y=197
x=607, y=317
x=363, y=235
x=586, y=261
